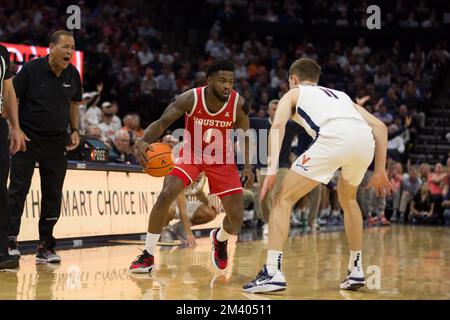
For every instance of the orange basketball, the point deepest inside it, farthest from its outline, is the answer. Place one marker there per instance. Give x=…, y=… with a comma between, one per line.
x=159, y=161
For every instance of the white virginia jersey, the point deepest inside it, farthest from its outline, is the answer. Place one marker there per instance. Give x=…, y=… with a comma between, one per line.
x=318, y=105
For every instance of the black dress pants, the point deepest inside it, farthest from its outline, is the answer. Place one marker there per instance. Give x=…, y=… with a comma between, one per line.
x=4, y=170
x=50, y=153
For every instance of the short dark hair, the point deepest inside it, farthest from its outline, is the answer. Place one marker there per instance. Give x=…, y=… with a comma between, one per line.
x=220, y=65
x=306, y=70
x=54, y=38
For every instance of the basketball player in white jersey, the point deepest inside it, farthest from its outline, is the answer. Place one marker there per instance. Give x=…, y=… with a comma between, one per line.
x=345, y=136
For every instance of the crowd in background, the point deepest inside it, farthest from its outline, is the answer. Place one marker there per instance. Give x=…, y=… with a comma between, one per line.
x=405, y=14
x=129, y=70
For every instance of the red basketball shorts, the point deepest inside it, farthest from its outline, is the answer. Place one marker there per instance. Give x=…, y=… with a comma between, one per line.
x=223, y=179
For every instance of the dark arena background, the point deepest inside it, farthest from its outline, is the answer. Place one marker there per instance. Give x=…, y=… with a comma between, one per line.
x=135, y=58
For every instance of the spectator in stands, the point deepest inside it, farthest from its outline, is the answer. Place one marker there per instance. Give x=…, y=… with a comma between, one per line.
x=148, y=83
x=383, y=114
x=252, y=43
x=146, y=30
x=270, y=16
x=94, y=132
x=145, y=55
x=164, y=57
x=395, y=175
x=396, y=52
x=431, y=22
x=107, y=127
x=120, y=151
x=424, y=171
x=241, y=71
x=117, y=123
x=310, y=52
x=93, y=115
x=200, y=79
x=372, y=205
x=137, y=129
x=436, y=183
x=361, y=51
x=279, y=78
x=411, y=22
x=411, y=95
x=382, y=78
x=84, y=105
x=409, y=187
x=418, y=55
x=391, y=101
x=220, y=52
x=396, y=145
x=422, y=206
x=214, y=44
x=183, y=80
x=131, y=123
x=165, y=83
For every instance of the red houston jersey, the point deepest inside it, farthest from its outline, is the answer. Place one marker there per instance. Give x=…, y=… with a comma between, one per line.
x=208, y=134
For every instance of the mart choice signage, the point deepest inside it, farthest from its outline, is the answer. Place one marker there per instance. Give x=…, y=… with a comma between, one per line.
x=96, y=203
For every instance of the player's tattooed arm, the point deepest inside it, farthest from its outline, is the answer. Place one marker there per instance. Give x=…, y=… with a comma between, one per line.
x=243, y=122
x=175, y=110
x=182, y=104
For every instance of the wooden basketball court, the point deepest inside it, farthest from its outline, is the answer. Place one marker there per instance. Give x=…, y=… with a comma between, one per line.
x=414, y=264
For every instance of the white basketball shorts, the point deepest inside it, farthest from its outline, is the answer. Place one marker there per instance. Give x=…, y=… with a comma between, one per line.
x=342, y=143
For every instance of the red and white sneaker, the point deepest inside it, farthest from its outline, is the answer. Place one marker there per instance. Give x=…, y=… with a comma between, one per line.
x=219, y=254
x=144, y=263
x=384, y=221
x=372, y=221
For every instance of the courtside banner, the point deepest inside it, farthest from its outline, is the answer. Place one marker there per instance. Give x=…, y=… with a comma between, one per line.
x=20, y=54
x=98, y=203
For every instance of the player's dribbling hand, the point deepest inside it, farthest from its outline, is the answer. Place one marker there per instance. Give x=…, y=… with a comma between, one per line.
x=381, y=183
x=141, y=148
x=268, y=184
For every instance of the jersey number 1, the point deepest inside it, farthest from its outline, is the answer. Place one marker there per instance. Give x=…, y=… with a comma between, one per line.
x=329, y=93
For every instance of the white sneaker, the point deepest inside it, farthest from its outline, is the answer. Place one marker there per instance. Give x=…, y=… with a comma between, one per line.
x=354, y=280
x=266, y=230
x=265, y=282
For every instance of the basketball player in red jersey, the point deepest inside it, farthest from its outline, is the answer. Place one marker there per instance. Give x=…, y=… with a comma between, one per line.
x=211, y=113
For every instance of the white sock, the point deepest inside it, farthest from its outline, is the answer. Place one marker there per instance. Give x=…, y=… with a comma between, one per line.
x=150, y=242
x=355, y=260
x=274, y=259
x=335, y=213
x=222, y=235
x=325, y=212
